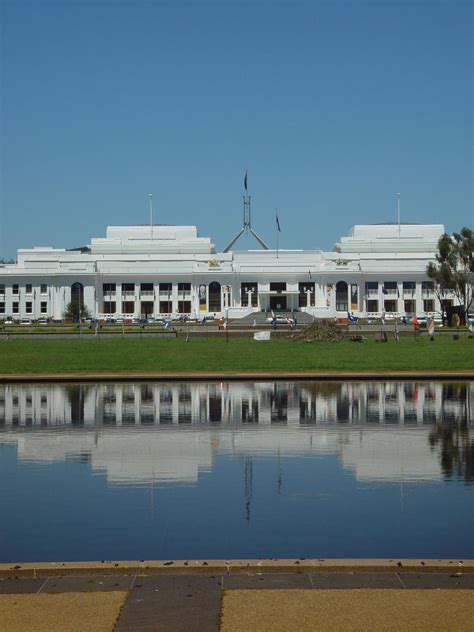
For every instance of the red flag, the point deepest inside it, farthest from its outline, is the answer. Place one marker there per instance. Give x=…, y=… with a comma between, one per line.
x=415, y=322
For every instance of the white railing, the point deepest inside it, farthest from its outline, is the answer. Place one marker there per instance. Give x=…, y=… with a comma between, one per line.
x=146, y=293
x=128, y=293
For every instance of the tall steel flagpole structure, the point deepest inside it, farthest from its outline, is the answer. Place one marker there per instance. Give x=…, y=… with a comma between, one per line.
x=151, y=213
x=247, y=222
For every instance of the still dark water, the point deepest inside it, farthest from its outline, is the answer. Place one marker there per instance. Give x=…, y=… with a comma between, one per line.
x=234, y=470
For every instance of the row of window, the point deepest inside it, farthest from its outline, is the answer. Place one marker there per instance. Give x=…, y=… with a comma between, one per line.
x=28, y=288
x=28, y=307
x=426, y=286
x=144, y=287
x=409, y=306
x=246, y=287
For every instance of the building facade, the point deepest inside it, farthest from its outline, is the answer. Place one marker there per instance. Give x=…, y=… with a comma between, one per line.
x=164, y=271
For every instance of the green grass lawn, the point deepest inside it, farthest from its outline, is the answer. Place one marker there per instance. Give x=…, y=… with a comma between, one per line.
x=239, y=354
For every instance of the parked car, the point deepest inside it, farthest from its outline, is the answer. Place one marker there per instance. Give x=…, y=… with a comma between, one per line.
x=279, y=320
x=42, y=321
x=9, y=321
x=25, y=321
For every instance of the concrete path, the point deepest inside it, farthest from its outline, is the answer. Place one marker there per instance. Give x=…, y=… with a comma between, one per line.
x=212, y=601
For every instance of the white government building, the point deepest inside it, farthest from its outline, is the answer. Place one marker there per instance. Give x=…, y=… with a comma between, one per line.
x=163, y=270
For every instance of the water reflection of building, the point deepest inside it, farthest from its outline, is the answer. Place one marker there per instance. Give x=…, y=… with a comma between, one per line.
x=236, y=402
x=141, y=433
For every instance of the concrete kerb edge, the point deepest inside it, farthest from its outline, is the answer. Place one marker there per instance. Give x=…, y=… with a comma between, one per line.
x=170, y=567
x=235, y=376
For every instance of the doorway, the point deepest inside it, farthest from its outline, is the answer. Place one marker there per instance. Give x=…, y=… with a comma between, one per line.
x=278, y=303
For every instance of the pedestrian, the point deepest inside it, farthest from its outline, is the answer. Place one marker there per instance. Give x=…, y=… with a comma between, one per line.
x=397, y=333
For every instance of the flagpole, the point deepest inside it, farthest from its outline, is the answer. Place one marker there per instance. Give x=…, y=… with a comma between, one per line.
x=276, y=228
x=151, y=214
x=398, y=213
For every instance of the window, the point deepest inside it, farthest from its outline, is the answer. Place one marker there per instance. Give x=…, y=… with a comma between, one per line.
x=166, y=287
x=107, y=288
x=146, y=287
x=16, y=308
x=409, y=287
x=427, y=286
x=109, y=307
x=128, y=307
x=390, y=287
x=184, y=307
x=245, y=289
x=372, y=306
x=342, y=299
x=29, y=307
x=428, y=305
x=43, y=307
x=390, y=306
x=214, y=297
x=29, y=288
x=166, y=307
x=2, y=288
x=410, y=306
x=278, y=287
x=43, y=288
x=15, y=289
x=2, y=308
x=304, y=288
x=128, y=287
x=371, y=288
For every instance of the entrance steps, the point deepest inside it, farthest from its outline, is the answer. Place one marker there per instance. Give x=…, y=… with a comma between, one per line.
x=260, y=318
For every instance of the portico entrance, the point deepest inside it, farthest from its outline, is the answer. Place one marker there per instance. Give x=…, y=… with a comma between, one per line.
x=278, y=303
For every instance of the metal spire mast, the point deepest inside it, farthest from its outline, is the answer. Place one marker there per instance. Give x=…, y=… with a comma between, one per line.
x=247, y=222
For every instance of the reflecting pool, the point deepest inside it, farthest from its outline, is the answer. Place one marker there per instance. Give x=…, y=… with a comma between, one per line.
x=236, y=469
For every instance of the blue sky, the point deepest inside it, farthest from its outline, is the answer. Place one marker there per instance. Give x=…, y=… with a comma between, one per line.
x=333, y=107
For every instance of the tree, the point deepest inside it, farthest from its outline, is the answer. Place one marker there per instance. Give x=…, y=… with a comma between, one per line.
x=454, y=267
x=74, y=311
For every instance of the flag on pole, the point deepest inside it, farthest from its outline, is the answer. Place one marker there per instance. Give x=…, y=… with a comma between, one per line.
x=277, y=221
x=431, y=327
x=309, y=273
x=415, y=322
x=245, y=181
x=351, y=318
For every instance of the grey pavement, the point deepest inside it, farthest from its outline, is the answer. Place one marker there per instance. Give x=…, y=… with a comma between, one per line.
x=192, y=602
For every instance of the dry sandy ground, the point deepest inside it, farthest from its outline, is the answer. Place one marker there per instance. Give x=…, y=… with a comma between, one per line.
x=348, y=610
x=64, y=612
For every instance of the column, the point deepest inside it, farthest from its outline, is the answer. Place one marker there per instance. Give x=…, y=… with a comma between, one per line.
x=401, y=298
x=419, y=308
